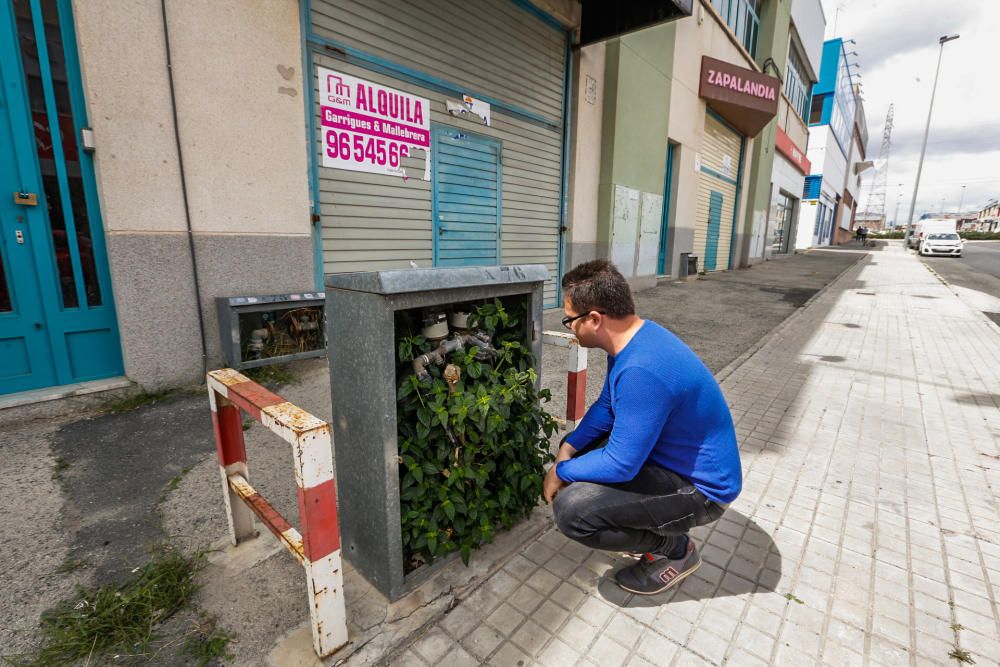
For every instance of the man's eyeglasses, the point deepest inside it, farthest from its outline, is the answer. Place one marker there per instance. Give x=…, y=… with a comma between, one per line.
x=567, y=321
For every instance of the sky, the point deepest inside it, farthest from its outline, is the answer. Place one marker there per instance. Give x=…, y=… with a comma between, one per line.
x=897, y=50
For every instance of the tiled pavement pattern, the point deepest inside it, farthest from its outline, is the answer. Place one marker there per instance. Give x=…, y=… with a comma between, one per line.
x=868, y=530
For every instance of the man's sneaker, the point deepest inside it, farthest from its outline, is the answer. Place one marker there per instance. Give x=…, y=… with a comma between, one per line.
x=655, y=574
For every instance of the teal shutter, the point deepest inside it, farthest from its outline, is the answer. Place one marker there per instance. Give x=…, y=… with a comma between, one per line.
x=714, y=224
x=466, y=199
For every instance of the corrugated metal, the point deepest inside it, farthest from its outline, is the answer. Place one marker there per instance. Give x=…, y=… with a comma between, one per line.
x=371, y=221
x=718, y=143
x=467, y=182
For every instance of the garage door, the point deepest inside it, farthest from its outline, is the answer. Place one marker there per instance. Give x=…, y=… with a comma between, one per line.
x=497, y=50
x=721, y=152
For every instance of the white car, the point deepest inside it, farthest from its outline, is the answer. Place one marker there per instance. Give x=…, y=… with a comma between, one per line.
x=949, y=244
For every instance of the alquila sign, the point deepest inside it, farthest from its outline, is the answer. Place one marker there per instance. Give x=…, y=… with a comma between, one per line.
x=745, y=98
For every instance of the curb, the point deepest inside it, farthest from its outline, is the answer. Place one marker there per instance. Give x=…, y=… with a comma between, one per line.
x=733, y=365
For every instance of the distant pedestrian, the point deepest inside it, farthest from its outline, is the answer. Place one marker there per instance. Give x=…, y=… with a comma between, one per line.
x=864, y=235
x=857, y=233
x=656, y=455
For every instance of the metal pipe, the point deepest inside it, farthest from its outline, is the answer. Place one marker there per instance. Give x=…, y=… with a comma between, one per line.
x=439, y=355
x=944, y=39
x=184, y=192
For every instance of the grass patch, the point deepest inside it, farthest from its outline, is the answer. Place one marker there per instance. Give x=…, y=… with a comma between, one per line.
x=71, y=565
x=117, y=620
x=270, y=375
x=961, y=655
x=207, y=642
x=60, y=466
x=175, y=481
x=792, y=598
x=137, y=401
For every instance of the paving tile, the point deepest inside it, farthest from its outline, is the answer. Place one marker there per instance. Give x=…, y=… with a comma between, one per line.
x=543, y=581
x=459, y=657
x=434, y=645
x=526, y=599
x=560, y=565
x=458, y=622
x=482, y=641
x=559, y=654
x=538, y=553
x=567, y=596
x=530, y=637
x=709, y=645
x=578, y=633
x=756, y=642
x=509, y=655
x=656, y=648
x=624, y=630
x=408, y=659
x=607, y=652
x=505, y=619
x=550, y=616
x=595, y=612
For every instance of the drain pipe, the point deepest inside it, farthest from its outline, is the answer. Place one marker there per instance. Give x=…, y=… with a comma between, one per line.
x=184, y=192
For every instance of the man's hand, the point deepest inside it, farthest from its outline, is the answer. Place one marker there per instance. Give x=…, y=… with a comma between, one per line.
x=552, y=484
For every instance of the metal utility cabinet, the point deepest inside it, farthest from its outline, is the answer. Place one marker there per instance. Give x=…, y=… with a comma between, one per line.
x=361, y=315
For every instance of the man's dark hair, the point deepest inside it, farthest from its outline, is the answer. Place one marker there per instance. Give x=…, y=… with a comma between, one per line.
x=598, y=285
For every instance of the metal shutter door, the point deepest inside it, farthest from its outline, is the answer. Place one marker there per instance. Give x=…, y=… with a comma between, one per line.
x=371, y=221
x=466, y=199
x=720, y=160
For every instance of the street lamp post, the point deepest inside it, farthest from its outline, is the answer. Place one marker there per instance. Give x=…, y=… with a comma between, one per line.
x=944, y=39
x=961, y=200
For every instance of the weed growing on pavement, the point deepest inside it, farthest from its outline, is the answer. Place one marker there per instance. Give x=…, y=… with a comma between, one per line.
x=792, y=598
x=115, y=619
x=71, y=565
x=137, y=401
x=272, y=375
x=207, y=642
x=961, y=655
x=176, y=479
x=60, y=466
x=956, y=627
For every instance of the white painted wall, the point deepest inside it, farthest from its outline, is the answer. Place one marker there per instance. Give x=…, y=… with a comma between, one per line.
x=806, y=224
x=585, y=165
x=238, y=83
x=809, y=21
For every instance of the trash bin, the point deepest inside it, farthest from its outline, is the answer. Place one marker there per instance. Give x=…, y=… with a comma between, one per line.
x=689, y=265
x=362, y=314
x=692, y=265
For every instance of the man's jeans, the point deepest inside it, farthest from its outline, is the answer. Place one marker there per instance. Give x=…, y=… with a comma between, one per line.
x=649, y=514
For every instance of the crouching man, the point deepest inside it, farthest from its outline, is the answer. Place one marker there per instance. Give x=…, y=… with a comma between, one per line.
x=656, y=455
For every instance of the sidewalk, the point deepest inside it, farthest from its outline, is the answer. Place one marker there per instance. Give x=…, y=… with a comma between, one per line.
x=868, y=530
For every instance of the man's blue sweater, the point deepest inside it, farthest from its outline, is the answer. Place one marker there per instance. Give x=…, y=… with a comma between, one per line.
x=660, y=405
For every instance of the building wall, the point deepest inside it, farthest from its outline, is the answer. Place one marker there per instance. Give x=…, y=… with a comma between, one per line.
x=244, y=158
x=810, y=23
x=650, y=99
x=786, y=178
x=585, y=165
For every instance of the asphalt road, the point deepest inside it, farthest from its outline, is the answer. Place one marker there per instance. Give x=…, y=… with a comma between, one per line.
x=977, y=269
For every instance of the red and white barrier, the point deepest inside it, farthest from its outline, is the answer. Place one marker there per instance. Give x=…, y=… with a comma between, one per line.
x=318, y=546
x=576, y=375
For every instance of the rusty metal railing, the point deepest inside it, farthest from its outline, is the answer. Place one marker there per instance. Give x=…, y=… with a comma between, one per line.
x=317, y=547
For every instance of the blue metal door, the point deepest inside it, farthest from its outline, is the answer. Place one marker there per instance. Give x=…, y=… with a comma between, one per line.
x=467, y=198
x=57, y=318
x=661, y=263
x=714, y=225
